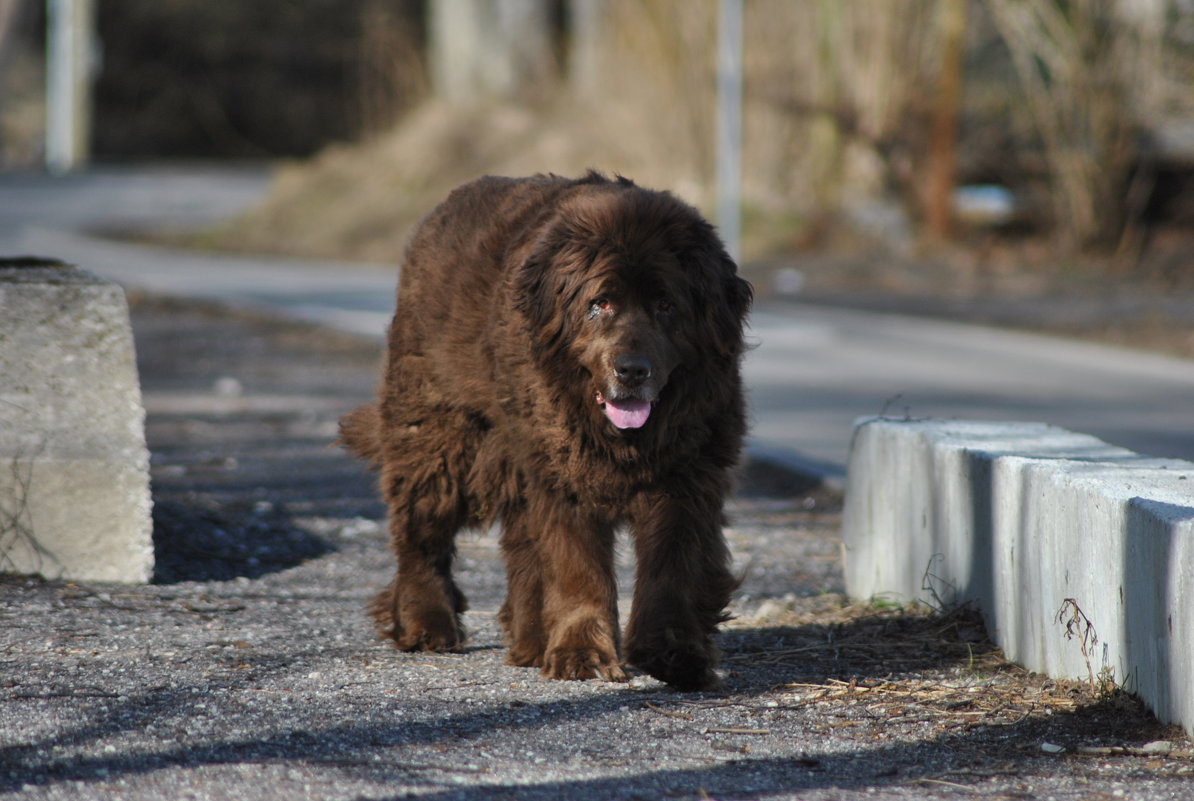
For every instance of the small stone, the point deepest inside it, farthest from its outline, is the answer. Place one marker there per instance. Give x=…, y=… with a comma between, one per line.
x=227, y=387
x=788, y=281
x=772, y=608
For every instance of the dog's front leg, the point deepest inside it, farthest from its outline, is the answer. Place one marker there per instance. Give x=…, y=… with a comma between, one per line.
x=682, y=585
x=580, y=612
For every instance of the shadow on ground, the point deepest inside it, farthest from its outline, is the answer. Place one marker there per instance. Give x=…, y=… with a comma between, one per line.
x=368, y=747
x=204, y=542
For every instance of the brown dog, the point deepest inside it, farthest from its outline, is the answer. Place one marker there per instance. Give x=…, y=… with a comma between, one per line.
x=564, y=359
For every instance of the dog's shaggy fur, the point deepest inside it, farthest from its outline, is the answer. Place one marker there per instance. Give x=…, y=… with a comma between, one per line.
x=565, y=360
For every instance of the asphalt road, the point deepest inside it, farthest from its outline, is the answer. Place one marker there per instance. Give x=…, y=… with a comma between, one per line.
x=814, y=370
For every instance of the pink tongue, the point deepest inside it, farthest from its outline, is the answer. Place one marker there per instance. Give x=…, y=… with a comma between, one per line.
x=628, y=413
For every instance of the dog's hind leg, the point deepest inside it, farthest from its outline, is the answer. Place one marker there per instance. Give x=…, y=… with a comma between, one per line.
x=420, y=609
x=522, y=613
x=423, y=481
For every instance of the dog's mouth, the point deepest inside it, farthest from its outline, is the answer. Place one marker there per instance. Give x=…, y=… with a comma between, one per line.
x=625, y=413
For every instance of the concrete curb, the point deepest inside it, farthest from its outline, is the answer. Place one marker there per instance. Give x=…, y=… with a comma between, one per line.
x=1079, y=554
x=74, y=469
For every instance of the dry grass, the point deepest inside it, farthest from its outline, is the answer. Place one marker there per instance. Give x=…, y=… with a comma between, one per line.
x=937, y=673
x=835, y=116
x=362, y=202
x=828, y=88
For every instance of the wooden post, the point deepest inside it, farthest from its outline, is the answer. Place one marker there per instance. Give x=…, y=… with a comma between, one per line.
x=943, y=145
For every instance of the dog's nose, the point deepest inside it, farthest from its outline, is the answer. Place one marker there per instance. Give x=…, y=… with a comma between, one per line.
x=632, y=370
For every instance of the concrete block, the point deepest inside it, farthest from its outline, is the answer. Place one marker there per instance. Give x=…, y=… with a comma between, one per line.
x=74, y=469
x=1037, y=526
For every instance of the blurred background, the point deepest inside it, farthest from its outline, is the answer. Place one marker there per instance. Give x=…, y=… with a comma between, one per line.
x=918, y=146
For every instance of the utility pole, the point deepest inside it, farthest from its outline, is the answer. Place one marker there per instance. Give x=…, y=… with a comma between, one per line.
x=69, y=57
x=729, y=125
x=943, y=143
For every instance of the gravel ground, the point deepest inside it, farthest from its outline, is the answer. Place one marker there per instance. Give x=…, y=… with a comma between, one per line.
x=248, y=669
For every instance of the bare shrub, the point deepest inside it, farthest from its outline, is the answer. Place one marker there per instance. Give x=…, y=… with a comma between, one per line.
x=1078, y=63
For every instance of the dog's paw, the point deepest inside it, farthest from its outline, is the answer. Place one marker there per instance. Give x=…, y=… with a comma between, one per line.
x=415, y=623
x=436, y=642
x=525, y=656
x=686, y=665
x=582, y=663
x=439, y=632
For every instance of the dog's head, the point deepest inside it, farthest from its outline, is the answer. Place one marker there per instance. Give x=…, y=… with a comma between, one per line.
x=627, y=345
x=631, y=288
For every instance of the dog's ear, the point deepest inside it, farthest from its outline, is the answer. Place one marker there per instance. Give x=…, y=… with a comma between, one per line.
x=738, y=295
x=537, y=294
x=531, y=295
x=720, y=296
x=548, y=279
x=739, y=292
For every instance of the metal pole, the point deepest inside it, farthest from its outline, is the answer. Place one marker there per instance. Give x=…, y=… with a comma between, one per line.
x=729, y=125
x=68, y=77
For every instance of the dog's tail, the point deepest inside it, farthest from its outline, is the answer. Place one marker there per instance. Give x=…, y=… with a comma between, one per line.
x=360, y=433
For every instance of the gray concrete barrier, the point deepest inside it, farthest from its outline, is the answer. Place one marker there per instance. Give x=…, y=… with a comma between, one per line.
x=74, y=469
x=1079, y=554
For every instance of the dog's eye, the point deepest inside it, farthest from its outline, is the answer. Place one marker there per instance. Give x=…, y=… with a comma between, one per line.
x=664, y=307
x=598, y=306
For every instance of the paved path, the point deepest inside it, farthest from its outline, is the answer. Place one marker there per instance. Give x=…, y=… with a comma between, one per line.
x=814, y=371
x=249, y=670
